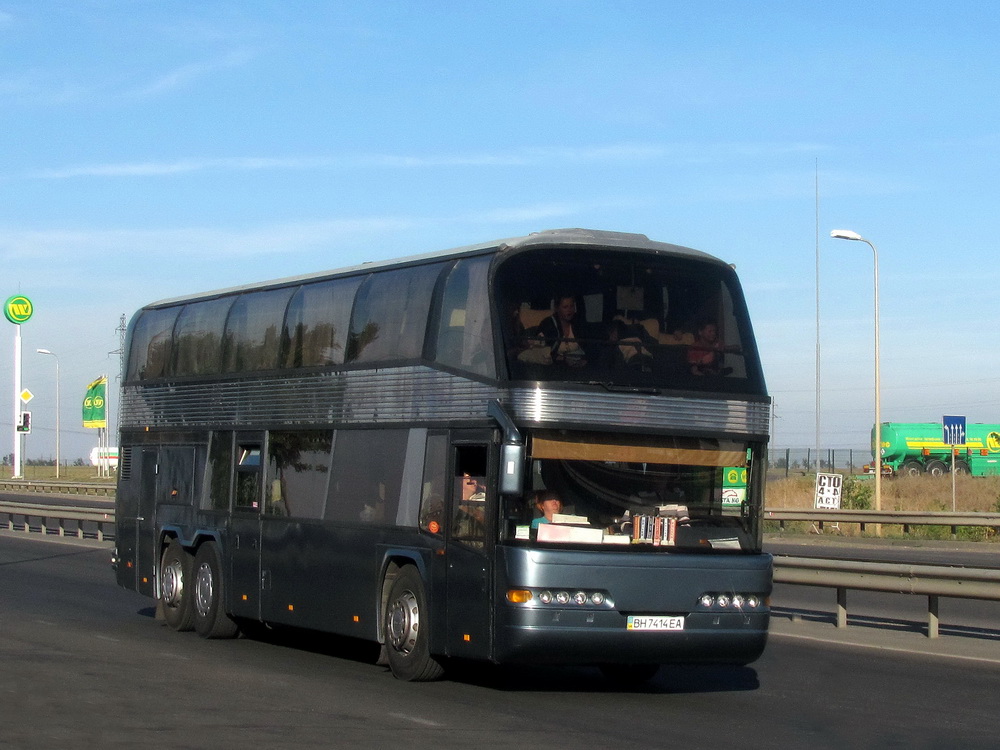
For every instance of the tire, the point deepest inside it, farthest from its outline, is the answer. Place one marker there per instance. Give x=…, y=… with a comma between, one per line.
x=630, y=674
x=962, y=468
x=937, y=468
x=175, y=589
x=911, y=468
x=407, y=632
x=209, y=595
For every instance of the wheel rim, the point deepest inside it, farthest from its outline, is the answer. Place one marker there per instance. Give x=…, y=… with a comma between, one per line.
x=204, y=589
x=403, y=622
x=173, y=583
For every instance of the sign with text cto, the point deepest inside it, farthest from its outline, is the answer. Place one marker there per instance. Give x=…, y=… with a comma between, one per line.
x=829, y=489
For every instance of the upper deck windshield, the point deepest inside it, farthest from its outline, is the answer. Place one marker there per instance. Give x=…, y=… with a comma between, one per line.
x=637, y=493
x=626, y=318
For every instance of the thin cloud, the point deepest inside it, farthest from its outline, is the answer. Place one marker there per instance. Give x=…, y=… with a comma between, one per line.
x=186, y=74
x=611, y=153
x=258, y=240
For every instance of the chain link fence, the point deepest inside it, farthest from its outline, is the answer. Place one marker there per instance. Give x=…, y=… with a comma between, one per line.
x=787, y=462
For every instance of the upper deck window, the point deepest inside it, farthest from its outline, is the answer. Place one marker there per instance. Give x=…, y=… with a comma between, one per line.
x=150, y=343
x=626, y=318
x=390, y=314
x=198, y=337
x=253, y=331
x=464, y=337
x=316, y=323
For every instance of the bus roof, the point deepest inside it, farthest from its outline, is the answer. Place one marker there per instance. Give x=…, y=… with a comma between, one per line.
x=546, y=238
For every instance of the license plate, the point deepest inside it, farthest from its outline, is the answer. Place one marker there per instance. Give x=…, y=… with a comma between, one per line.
x=655, y=622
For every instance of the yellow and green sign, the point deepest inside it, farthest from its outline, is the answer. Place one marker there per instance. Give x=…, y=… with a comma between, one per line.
x=94, y=414
x=18, y=309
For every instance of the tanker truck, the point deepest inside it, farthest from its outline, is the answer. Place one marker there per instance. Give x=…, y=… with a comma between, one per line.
x=912, y=448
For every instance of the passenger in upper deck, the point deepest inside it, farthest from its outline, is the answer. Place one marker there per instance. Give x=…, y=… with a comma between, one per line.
x=704, y=356
x=562, y=333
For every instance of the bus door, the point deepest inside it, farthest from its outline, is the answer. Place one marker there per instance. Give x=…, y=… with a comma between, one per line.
x=244, y=529
x=147, y=559
x=469, y=551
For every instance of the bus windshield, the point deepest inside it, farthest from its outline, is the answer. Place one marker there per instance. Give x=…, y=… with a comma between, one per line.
x=644, y=493
x=628, y=319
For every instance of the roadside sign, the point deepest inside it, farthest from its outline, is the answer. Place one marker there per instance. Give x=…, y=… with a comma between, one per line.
x=18, y=309
x=829, y=489
x=26, y=396
x=953, y=429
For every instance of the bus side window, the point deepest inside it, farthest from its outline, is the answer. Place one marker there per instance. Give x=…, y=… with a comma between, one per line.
x=469, y=506
x=248, y=472
x=432, y=513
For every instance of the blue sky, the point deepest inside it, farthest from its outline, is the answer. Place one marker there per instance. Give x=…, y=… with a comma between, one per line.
x=154, y=149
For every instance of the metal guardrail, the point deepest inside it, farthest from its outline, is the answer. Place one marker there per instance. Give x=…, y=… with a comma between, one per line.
x=55, y=487
x=902, y=518
x=932, y=581
x=52, y=519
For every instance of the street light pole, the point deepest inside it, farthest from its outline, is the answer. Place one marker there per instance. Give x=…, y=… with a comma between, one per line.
x=847, y=234
x=52, y=354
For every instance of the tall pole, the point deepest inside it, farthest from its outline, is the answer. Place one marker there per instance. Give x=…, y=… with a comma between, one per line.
x=817, y=324
x=846, y=234
x=17, y=403
x=58, y=457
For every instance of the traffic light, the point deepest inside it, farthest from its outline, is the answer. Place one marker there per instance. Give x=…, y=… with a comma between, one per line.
x=25, y=425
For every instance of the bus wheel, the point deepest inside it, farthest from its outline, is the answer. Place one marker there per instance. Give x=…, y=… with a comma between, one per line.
x=911, y=468
x=406, y=630
x=629, y=674
x=937, y=468
x=175, y=577
x=210, y=618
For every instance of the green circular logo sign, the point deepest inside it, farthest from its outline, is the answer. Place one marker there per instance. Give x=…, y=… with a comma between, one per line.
x=18, y=309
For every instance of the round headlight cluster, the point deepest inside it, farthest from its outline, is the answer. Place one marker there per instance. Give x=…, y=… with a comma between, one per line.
x=726, y=600
x=580, y=598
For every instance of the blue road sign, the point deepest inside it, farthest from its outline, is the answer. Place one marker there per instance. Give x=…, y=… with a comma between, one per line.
x=954, y=430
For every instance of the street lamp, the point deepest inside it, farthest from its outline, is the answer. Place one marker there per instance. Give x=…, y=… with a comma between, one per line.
x=52, y=354
x=847, y=234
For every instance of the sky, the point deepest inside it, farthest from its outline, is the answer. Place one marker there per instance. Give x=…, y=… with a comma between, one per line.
x=154, y=149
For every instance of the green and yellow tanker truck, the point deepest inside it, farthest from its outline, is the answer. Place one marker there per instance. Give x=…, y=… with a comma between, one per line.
x=912, y=448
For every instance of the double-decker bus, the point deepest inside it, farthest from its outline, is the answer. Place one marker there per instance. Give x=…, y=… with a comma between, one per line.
x=547, y=449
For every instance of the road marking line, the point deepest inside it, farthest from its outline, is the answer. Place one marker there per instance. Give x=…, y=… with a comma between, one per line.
x=417, y=720
x=897, y=649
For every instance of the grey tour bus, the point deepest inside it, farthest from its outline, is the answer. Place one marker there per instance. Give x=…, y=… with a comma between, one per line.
x=546, y=449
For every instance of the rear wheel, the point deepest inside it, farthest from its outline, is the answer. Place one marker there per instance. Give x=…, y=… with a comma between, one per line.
x=407, y=632
x=962, y=467
x=937, y=468
x=210, y=618
x=175, y=579
x=911, y=468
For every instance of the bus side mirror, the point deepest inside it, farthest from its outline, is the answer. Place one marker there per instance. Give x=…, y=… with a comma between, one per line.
x=511, y=469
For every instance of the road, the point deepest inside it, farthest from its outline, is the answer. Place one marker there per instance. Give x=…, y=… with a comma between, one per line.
x=85, y=664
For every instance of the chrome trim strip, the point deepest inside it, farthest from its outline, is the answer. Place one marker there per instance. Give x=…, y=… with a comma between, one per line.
x=422, y=394
x=545, y=406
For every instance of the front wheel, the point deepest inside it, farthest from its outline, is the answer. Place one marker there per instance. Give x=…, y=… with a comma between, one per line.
x=407, y=636
x=175, y=581
x=210, y=618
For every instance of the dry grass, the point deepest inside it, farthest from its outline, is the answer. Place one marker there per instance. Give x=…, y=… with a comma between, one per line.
x=66, y=474
x=922, y=494
x=972, y=494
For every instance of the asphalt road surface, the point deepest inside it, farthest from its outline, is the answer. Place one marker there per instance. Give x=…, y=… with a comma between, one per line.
x=84, y=664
